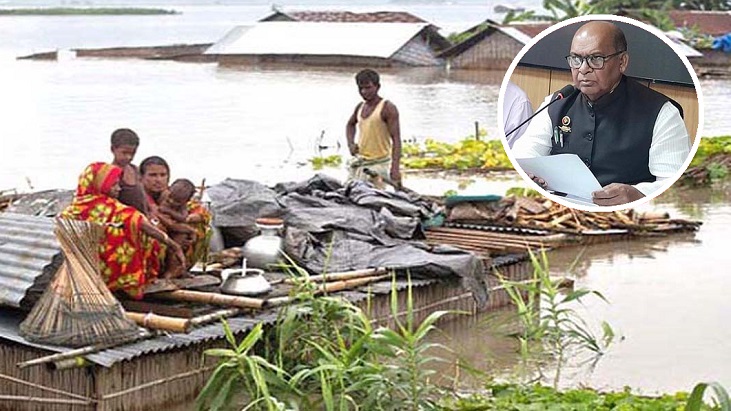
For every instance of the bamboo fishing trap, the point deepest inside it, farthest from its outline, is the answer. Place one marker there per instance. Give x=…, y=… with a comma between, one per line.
x=77, y=308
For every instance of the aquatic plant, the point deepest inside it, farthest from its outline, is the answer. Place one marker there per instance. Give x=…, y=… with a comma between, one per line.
x=550, y=328
x=324, y=353
x=538, y=397
x=469, y=153
x=334, y=160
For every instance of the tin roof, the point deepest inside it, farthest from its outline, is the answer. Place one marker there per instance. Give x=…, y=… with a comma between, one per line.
x=347, y=16
x=525, y=32
x=29, y=255
x=10, y=320
x=481, y=32
x=529, y=29
x=715, y=23
x=344, y=39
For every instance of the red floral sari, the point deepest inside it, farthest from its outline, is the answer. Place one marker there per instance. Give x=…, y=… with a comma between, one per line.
x=129, y=258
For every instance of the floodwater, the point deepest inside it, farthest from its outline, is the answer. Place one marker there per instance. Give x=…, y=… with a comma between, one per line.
x=668, y=305
x=667, y=296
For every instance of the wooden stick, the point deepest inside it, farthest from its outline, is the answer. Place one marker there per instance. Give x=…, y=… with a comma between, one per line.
x=44, y=388
x=211, y=298
x=329, y=288
x=160, y=322
x=90, y=349
x=344, y=275
x=88, y=403
x=348, y=284
x=208, y=318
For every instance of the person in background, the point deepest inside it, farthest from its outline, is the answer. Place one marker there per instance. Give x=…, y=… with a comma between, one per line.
x=131, y=251
x=155, y=179
x=124, y=148
x=631, y=137
x=378, y=147
x=516, y=109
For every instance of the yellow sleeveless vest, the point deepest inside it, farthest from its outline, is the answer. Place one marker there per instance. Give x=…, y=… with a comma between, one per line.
x=374, y=140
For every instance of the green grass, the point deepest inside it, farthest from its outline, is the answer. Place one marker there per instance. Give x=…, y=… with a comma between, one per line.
x=79, y=11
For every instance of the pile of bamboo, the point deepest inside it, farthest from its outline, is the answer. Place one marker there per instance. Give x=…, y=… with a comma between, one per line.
x=544, y=214
x=489, y=242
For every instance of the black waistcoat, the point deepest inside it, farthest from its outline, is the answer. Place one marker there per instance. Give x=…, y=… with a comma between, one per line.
x=613, y=135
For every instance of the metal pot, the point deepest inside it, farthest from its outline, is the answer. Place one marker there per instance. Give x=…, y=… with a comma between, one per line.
x=250, y=282
x=265, y=250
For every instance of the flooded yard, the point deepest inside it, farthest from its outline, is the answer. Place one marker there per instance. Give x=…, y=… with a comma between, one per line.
x=667, y=304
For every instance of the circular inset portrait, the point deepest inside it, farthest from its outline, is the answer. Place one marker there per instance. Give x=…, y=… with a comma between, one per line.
x=601, y=112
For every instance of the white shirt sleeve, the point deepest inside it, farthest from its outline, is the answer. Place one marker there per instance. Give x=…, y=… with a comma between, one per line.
x=669, y=149
x=516, y=109
x=536, y=141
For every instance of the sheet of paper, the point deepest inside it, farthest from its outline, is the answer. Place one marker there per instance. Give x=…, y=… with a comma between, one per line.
x=565, y=173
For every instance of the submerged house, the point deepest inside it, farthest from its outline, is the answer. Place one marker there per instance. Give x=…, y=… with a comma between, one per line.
x=332, y=44
x=345, y=17
x=490, y=47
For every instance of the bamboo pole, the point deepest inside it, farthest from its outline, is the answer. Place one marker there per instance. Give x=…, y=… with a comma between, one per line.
x=69, y=363
x=348, y=284
x=211, y=298
x=40, y=400
x=344, y=275
x=156, y=382
x=208, y=318
x=329, y=288
x=44, y=388
x=89, y=349
x=160, y=322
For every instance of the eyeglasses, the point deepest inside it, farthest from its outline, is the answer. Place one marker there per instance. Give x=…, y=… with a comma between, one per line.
x=594, y=61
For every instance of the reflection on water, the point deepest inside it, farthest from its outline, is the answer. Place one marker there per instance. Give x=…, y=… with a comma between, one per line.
x=667, y=300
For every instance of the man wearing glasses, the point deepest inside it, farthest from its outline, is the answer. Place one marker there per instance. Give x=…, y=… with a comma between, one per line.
x=631, y=137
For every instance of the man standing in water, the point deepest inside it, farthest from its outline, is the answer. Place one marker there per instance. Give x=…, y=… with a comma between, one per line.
x=379, y=139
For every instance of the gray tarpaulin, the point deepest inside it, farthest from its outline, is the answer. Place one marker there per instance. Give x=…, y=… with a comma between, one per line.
x=338, y=228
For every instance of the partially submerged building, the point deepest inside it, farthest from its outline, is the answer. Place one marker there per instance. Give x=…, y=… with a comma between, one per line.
x=344, y=17
x=490, y=47
x=332, y=44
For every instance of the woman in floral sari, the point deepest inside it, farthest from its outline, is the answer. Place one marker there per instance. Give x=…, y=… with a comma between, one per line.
x=132, y=249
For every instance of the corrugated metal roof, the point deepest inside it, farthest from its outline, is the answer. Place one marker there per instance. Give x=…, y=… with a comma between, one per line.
x=715, y=23
x=348, y=16
x=304, y=38
x=684, y=49
x=10, y=320
x=29, y=255
x=516, y=34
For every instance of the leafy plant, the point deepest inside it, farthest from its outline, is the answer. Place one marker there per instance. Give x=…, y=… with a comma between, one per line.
x=538, y=397
x=551, y=329
x=720, y=401
x=469, y=153
x=334, y=160
x=239, y=368
x=325, y=355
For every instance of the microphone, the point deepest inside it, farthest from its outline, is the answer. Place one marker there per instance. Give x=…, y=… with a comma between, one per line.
x=567, y=91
